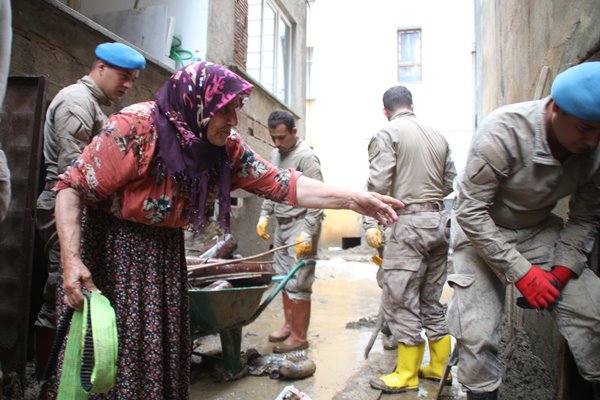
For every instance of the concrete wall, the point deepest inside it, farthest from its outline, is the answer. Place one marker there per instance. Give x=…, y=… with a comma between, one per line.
x=355, y=62
x=521, y=47
x=515, y=39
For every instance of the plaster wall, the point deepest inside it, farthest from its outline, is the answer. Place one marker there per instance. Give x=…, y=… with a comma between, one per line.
x=515, y=39
x=355, y=62
x=189, y=24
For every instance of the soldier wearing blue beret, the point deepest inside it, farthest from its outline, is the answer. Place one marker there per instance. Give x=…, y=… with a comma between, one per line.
x=73, y=118
x=120, y=55
x=523, y=159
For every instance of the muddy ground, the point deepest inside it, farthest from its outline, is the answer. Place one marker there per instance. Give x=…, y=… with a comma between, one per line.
x=345, y=303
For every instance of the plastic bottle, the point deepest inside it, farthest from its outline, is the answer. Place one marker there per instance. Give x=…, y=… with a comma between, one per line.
x=196, y=57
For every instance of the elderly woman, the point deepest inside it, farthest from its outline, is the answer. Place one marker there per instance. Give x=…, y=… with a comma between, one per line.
x=156, y=167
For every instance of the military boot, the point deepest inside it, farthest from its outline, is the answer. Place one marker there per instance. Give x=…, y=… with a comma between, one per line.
x=406, y=375
x=299, y=328
x=282, y=333
x=439, y=351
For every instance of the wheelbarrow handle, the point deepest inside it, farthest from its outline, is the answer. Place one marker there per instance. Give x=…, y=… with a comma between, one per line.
x=276, y=291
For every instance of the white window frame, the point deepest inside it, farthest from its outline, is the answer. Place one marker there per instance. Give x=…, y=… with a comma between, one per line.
x=417, y=52
x=259, y=58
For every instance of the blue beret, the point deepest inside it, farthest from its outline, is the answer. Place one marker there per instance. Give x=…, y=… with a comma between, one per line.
x=119, y=55
x=577, y=91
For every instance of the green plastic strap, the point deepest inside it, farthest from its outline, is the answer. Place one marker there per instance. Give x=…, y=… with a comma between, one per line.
x=105, y=349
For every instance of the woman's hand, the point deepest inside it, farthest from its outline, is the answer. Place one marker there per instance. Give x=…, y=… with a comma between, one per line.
x=376, y=205
x=76, y=276
x=315, y=194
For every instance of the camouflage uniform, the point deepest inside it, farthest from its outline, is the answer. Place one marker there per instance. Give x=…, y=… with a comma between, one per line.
x=293, y=220
x=73, y=118
x=412, y=162
x=505, y=198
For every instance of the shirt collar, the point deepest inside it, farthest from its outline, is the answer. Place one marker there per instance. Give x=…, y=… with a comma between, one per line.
x=402, y=114
x=93, y=87
x=295, y=146
x=541, y=148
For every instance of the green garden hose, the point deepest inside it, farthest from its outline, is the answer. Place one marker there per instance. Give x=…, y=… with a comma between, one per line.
x=179, y=55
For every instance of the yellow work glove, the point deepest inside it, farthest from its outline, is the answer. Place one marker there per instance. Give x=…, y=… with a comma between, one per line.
x=261, y=227
x=374, y=237
x=303, y=246
x=377, y=260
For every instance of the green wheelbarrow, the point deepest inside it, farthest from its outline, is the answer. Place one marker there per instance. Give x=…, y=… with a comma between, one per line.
x=226, y=311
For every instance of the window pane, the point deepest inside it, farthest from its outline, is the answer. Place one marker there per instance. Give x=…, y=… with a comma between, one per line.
x=254, y=38
x=409, y=55
x=409, y=44
x=269, y=48
x=283, y=61
x=409, y=74
x=253, y=61
x=267, y=80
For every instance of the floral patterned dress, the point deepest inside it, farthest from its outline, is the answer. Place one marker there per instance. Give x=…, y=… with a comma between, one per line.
x=132, y=243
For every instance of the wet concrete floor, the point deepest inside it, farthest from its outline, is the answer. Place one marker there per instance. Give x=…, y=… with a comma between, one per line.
x=345, y=291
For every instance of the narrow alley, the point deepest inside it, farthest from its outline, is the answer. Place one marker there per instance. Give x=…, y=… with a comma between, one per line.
x=345, y=292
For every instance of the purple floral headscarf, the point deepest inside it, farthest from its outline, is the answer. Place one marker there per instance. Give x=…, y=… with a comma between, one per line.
x=185, y=104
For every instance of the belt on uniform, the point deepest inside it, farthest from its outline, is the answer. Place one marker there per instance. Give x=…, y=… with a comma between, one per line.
x=416, y=207
x=287, y=220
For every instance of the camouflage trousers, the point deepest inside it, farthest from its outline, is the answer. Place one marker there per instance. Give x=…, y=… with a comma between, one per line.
x=412, y=276
x=299, y=288
x=476, y=311
x=46, y=229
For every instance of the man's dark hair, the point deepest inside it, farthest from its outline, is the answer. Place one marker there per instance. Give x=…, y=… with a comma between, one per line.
x=281, y=117
x=396, y=97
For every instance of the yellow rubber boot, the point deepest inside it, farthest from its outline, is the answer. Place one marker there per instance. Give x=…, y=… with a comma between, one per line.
x=406, y=375
x=439, y=351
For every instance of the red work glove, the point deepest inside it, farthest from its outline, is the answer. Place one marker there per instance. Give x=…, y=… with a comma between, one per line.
x=537, y=289
x=560, y=274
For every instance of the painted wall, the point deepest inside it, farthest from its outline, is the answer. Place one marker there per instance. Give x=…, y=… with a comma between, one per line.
x=190, y=19
x=355, y=62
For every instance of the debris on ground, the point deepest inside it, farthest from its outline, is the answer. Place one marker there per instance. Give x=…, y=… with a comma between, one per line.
x=363, y=322
x=293, y=365
x=291, y=393
x=524, y=375
x=213, y=363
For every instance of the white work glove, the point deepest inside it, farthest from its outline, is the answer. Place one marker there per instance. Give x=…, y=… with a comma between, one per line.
x=261, y=227
x=374, y=237
x=303, y=245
